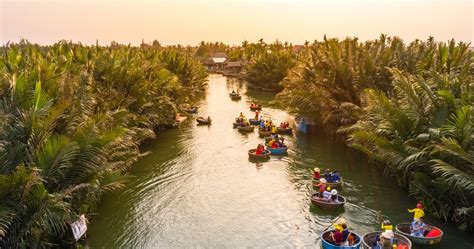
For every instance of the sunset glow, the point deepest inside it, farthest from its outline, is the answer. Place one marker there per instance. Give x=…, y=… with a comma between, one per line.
x=190, y=21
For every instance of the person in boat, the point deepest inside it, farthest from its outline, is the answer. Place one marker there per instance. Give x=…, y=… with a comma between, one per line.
x=262, y=125
x=256, y=115
x=327, y=194
x=233, y=92
x=345, y=233
x=275, y=136
x=417, y=212
x=209, y=119
x=334, y=197
x=336, y=237
x=322, y=186
x=335, y=176
x=274, y=130
x=387, y=226
x=273, y=143
x=417, y=228
x=386, y=240
x=316, y=175
x=260, y=149
x=327, y=175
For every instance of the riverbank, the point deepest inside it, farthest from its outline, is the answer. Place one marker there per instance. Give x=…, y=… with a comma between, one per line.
x=197, y=188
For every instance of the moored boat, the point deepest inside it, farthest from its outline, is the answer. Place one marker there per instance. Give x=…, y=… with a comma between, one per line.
x=327, y=244
x=369, y=240
x=303, y=125
x=278, y=151
x=265, y=155
x=245, y=128
x=324, y=204
x=203, y=121
x=337, y=184
x=404, y=229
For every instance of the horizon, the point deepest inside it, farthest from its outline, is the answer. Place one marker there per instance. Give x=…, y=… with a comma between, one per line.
x=232, y=22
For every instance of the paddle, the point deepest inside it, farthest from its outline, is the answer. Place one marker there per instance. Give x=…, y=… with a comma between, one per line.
x=337, y=218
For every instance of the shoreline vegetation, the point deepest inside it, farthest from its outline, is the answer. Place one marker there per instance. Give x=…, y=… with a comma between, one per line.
x=72, y=120
x=74, y=116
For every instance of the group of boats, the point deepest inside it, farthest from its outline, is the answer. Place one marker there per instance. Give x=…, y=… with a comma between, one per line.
x=274, y=144
x=402, y=238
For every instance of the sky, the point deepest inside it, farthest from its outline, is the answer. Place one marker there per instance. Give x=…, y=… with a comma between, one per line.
x=188, y=22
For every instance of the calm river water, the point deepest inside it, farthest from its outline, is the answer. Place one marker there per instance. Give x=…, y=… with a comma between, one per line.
x=197, y=188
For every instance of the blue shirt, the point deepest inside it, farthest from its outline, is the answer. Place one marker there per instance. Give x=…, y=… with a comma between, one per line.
x=345, y=234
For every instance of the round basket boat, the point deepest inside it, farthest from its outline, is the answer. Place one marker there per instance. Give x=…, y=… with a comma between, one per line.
x=369, y=240
x=264, y=133
x=404, y=229
x=324, y=204
x=245, y=128
x=284, y=130
x=255, y=107
x=235, y=96
x=253, y=121
x=278, y=151
x=265, y=155
x=337, y=184
x=326, y=241
x=203, y=121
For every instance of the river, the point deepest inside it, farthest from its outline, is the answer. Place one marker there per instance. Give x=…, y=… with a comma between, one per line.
x=198, y=189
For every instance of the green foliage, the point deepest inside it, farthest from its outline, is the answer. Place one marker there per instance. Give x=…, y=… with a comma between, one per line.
x=72, y=118
x=269, y=67
x=432, y=153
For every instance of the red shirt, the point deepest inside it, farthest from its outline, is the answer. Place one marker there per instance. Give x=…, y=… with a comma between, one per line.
x=337, y=237
x=316, y=175
x=322, y=187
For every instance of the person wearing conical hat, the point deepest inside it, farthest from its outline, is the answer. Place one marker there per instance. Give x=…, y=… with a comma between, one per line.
x=316, y=173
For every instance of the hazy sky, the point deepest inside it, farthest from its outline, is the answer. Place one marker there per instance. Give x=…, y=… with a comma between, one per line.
x=232, y=21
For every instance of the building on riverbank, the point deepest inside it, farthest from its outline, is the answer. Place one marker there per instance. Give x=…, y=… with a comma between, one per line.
x=216, y=62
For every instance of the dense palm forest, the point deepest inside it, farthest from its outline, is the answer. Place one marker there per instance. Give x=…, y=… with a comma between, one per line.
x=72, y=120
x=409, y=107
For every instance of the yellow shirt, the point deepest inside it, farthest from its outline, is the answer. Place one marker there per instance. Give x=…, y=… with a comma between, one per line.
x=386, y=227
x=418, y=213
x=338, y=227
x=274, y=129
